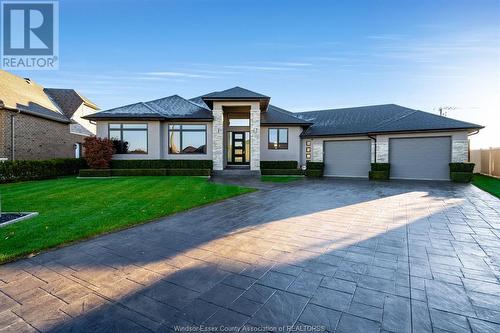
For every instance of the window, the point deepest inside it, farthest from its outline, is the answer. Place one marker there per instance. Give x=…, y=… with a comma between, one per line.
x=187, y=139
x=239, y=122
x=278, y=138
x=129, y=138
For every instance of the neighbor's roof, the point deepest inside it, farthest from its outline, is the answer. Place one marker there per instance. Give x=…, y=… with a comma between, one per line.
x=172, y=107
x=376, y=119
x=27, y=96
x=234, y=93
x=69, y=100
x=278, y=116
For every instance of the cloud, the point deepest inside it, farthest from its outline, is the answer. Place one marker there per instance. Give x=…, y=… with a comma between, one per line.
x=385, y=37
x=178, y=75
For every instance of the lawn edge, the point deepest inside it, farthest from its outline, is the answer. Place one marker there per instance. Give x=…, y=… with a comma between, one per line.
x=485, y=188
x=73, y=242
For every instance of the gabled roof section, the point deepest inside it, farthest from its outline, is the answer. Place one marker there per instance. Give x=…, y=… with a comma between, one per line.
x=69, y=100
x=376, y=119
x=278, y=116
x=234, y=93
x=27, y=96
x=172, y=107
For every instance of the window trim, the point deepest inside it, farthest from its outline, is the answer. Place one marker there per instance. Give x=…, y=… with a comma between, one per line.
x=121, y=129
x=277, y=138
x=180, y=130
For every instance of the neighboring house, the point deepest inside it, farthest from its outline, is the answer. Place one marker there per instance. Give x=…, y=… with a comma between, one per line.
x=38, y=123
x=239, y=128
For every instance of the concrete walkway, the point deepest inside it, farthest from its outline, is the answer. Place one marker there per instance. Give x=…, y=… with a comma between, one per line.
x=342, y=256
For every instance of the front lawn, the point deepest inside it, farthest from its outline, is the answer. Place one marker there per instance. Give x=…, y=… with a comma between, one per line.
x=280, y=179
x=488, y=184
x=71, y=209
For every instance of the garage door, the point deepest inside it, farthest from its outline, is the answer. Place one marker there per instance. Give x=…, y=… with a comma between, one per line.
x=347, y=158
x=420, y=158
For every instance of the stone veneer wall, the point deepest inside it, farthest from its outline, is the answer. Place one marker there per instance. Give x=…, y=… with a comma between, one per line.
x=317, y=151
x=254, y=139
x=460, y=150
x=218, y=139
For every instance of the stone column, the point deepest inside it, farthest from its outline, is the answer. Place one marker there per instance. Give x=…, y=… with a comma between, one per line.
x=218, y=139
x=317, y=150
x=382, y=150
x=255, y=139
x=459, y=151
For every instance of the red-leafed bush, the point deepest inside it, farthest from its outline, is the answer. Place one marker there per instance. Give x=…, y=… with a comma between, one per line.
x=98, y=152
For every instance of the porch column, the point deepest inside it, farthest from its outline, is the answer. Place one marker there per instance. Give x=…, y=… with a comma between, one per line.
x=255, y=138
x=218, y=138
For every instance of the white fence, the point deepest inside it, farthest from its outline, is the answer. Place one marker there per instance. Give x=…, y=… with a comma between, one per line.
x=487, y=161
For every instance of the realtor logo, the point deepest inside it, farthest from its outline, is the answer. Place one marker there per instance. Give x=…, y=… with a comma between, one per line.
x=30, y=35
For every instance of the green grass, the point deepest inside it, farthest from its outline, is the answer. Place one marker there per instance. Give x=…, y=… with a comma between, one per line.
x=488, y=184
x=72, y=209
x=280, y=179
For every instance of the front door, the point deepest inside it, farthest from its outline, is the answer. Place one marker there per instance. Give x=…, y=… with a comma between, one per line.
x=238, y=148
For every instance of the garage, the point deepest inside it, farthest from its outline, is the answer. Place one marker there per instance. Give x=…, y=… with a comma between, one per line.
x=420, y=158
x=349, y=158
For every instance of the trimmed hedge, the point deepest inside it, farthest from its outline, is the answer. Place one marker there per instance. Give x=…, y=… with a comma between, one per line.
x=462, y=167
x=161, y=164
x=378, y=175
x=267, y=165
x=379, y=171
x=380, y=166
x=143, y=172
x=281, y=172
x=314, y=169
x=461, y=177
x=14, y=171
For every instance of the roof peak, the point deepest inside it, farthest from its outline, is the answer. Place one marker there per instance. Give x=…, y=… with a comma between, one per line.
x=236, y=92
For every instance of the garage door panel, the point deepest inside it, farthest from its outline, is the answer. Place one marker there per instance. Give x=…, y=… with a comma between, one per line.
x=347, y=158
x=420, y=158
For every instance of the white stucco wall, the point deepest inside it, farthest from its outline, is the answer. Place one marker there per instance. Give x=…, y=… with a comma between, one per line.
x=154, y=139
x=290, y=154
x=84, y=110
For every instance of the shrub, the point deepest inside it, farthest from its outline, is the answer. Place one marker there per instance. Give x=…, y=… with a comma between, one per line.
x=161, y=164
x=315, y=165
x=462, y=167
x=378, y=175
x=13, y=171
x=98, y=152
x=314, y=173
x=281, y=172
x=95, y=173
x=461, y=177
x=143, y=172
x=380, y=167
x=278, y=165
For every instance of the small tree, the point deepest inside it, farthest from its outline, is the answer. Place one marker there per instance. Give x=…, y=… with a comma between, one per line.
x=98, y=152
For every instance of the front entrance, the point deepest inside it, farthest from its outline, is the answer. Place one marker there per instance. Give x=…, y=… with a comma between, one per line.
x=238, y=148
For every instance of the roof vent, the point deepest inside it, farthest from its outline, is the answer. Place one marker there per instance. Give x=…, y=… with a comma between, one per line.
x=28, y=80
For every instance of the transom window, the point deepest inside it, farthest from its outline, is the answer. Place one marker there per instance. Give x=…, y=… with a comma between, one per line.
x=239, y=122
x=278, y=138
x=187, y=139
x=129, y=138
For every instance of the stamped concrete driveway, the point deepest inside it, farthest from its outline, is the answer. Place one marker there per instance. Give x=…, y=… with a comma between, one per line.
x=340, y=256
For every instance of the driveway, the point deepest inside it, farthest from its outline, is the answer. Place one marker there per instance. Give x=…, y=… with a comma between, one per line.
x=338, y=255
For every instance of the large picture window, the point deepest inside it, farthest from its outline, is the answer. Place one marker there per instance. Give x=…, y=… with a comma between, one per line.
x=187, y=139
x=129, y=138
x=278, y=138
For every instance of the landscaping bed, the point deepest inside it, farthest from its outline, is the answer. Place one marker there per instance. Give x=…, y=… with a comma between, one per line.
x=72, y=209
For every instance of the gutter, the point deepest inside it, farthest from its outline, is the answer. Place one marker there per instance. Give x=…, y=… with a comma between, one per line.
x=12, y=129
x=374, y=138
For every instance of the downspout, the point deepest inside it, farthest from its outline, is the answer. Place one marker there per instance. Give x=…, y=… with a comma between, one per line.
x=468, y=143
x=374, y=138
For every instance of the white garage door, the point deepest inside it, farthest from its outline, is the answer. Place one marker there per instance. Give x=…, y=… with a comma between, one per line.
x=420, y=158
x=347, y=158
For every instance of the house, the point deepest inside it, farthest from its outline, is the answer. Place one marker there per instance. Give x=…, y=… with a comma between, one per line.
x=40, y=123
x=239, y=128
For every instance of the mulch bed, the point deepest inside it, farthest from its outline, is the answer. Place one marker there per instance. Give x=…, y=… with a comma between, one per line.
x=9, y=217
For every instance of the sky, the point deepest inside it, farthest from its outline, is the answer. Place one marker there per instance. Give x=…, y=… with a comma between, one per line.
x=306, y=55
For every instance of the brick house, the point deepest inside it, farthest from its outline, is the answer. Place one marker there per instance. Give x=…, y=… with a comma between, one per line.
x=40, y=123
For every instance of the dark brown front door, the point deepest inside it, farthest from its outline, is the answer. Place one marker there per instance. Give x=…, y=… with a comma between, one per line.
x=238, y=148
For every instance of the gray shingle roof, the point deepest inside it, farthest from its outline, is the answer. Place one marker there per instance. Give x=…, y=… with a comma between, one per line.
x=68, y=100
x=276, y=115
x=234, y=93
x=376, y=119
x=172, y=107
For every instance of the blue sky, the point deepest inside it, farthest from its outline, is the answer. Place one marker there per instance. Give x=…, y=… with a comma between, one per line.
x=304, y=54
